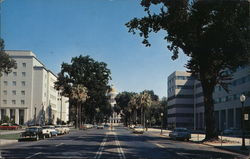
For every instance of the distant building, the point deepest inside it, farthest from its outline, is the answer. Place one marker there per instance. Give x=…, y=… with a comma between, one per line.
x=27, y=94
x=115, y=118
x=186, y=106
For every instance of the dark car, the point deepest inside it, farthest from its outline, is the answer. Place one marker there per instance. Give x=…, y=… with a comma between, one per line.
x=180, y=134
x=32, y=133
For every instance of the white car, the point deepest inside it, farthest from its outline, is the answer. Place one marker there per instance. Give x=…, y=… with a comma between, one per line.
x=49, y=131
x=138, y=129
x=59, y=129
x=65, y=129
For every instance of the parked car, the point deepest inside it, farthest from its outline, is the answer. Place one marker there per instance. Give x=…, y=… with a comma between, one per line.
x=138, y=129
x=59, y=129
x=49, y=131
x=86, y=126
x=100, y=127
x=9, y=126
x=65, y=129
x=32, y=133
x=180, y=133
x=106, y=125
x=232, y=131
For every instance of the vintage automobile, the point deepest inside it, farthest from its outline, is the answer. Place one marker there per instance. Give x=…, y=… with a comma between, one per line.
x=100, y=127
x=49, y=131
x=32, y=133
x=138, y=129
x=9, y=126
x=59, y=129
x=180, y=134
x=65, y=129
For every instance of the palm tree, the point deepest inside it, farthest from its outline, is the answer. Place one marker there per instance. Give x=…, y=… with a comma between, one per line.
x=79, y=93
x=133, y=105
x=144, y=102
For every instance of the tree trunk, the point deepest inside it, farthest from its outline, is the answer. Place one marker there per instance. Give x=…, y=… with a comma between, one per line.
x=208, y=88
x=141, y=115
x=80, y=115
x=76, y=122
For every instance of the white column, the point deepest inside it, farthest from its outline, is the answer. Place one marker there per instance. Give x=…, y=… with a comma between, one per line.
x=8, y=112
x=17, y=116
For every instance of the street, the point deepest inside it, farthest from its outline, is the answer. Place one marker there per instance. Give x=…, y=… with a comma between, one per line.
x=118, y=143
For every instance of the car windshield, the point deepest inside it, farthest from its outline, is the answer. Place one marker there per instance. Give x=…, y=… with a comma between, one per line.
x=139, y=127
x=47, y=127
x=181, y=130
x=31, y=129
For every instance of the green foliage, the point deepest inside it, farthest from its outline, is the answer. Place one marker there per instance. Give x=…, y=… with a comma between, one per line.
x=5, y=119
x=91, y=74
x=6, y=63
x=214, y=34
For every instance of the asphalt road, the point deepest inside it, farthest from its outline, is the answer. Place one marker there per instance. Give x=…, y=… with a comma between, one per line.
x=118, y=143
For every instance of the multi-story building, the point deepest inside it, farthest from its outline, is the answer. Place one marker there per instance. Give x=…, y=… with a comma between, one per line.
x=227, y=105
x=180, y=100
x=27, y=94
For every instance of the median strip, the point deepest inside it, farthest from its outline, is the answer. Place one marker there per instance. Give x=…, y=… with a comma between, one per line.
x=99, y=152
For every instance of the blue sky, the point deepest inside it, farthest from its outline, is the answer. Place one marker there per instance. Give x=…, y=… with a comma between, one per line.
x=57, y=30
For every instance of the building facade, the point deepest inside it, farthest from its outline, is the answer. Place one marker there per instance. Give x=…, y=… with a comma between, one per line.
x=180, y=100
x=227, y=105
x=27, y=94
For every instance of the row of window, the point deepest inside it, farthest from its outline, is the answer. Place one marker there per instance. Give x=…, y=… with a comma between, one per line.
x=14, y=92
x=229, y=98
x=237, y=82
x=14, y=102
x=14, y=83
x=171, y=89
x=15, y=74
x=179, y=78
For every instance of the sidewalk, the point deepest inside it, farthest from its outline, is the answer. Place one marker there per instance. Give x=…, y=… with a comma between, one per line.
x=229, y=143
x=9, y=141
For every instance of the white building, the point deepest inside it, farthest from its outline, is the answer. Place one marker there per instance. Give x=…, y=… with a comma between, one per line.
x=115, y=118
x=27, y=94
x=180, y=100
x=185, y=101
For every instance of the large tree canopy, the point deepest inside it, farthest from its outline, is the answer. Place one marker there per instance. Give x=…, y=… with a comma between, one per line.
x=91, y=74
x=213, y=33
x=6, y=63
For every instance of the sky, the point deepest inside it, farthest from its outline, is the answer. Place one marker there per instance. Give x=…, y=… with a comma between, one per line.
x=57, y=30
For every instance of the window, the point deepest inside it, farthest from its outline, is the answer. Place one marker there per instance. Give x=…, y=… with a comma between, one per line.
x=22, y=102
x=13, y=92
x=15, y=74
x=24, y=65
x=14, y=83
x=5, y=83
x=23, y=74
x=23, y=92
x=4, y=101
x=13, y=101
x=23, y=83
x=5, y=92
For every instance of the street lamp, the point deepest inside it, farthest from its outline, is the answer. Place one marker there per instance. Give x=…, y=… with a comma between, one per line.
x=242, y=100
x=161, y=122
x=147, y=126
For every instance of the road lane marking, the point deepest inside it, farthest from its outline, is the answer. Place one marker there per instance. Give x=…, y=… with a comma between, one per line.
x=59, y=144
x=159, y=145
x=119, y=149
x=38, y=153
x=99, y=152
